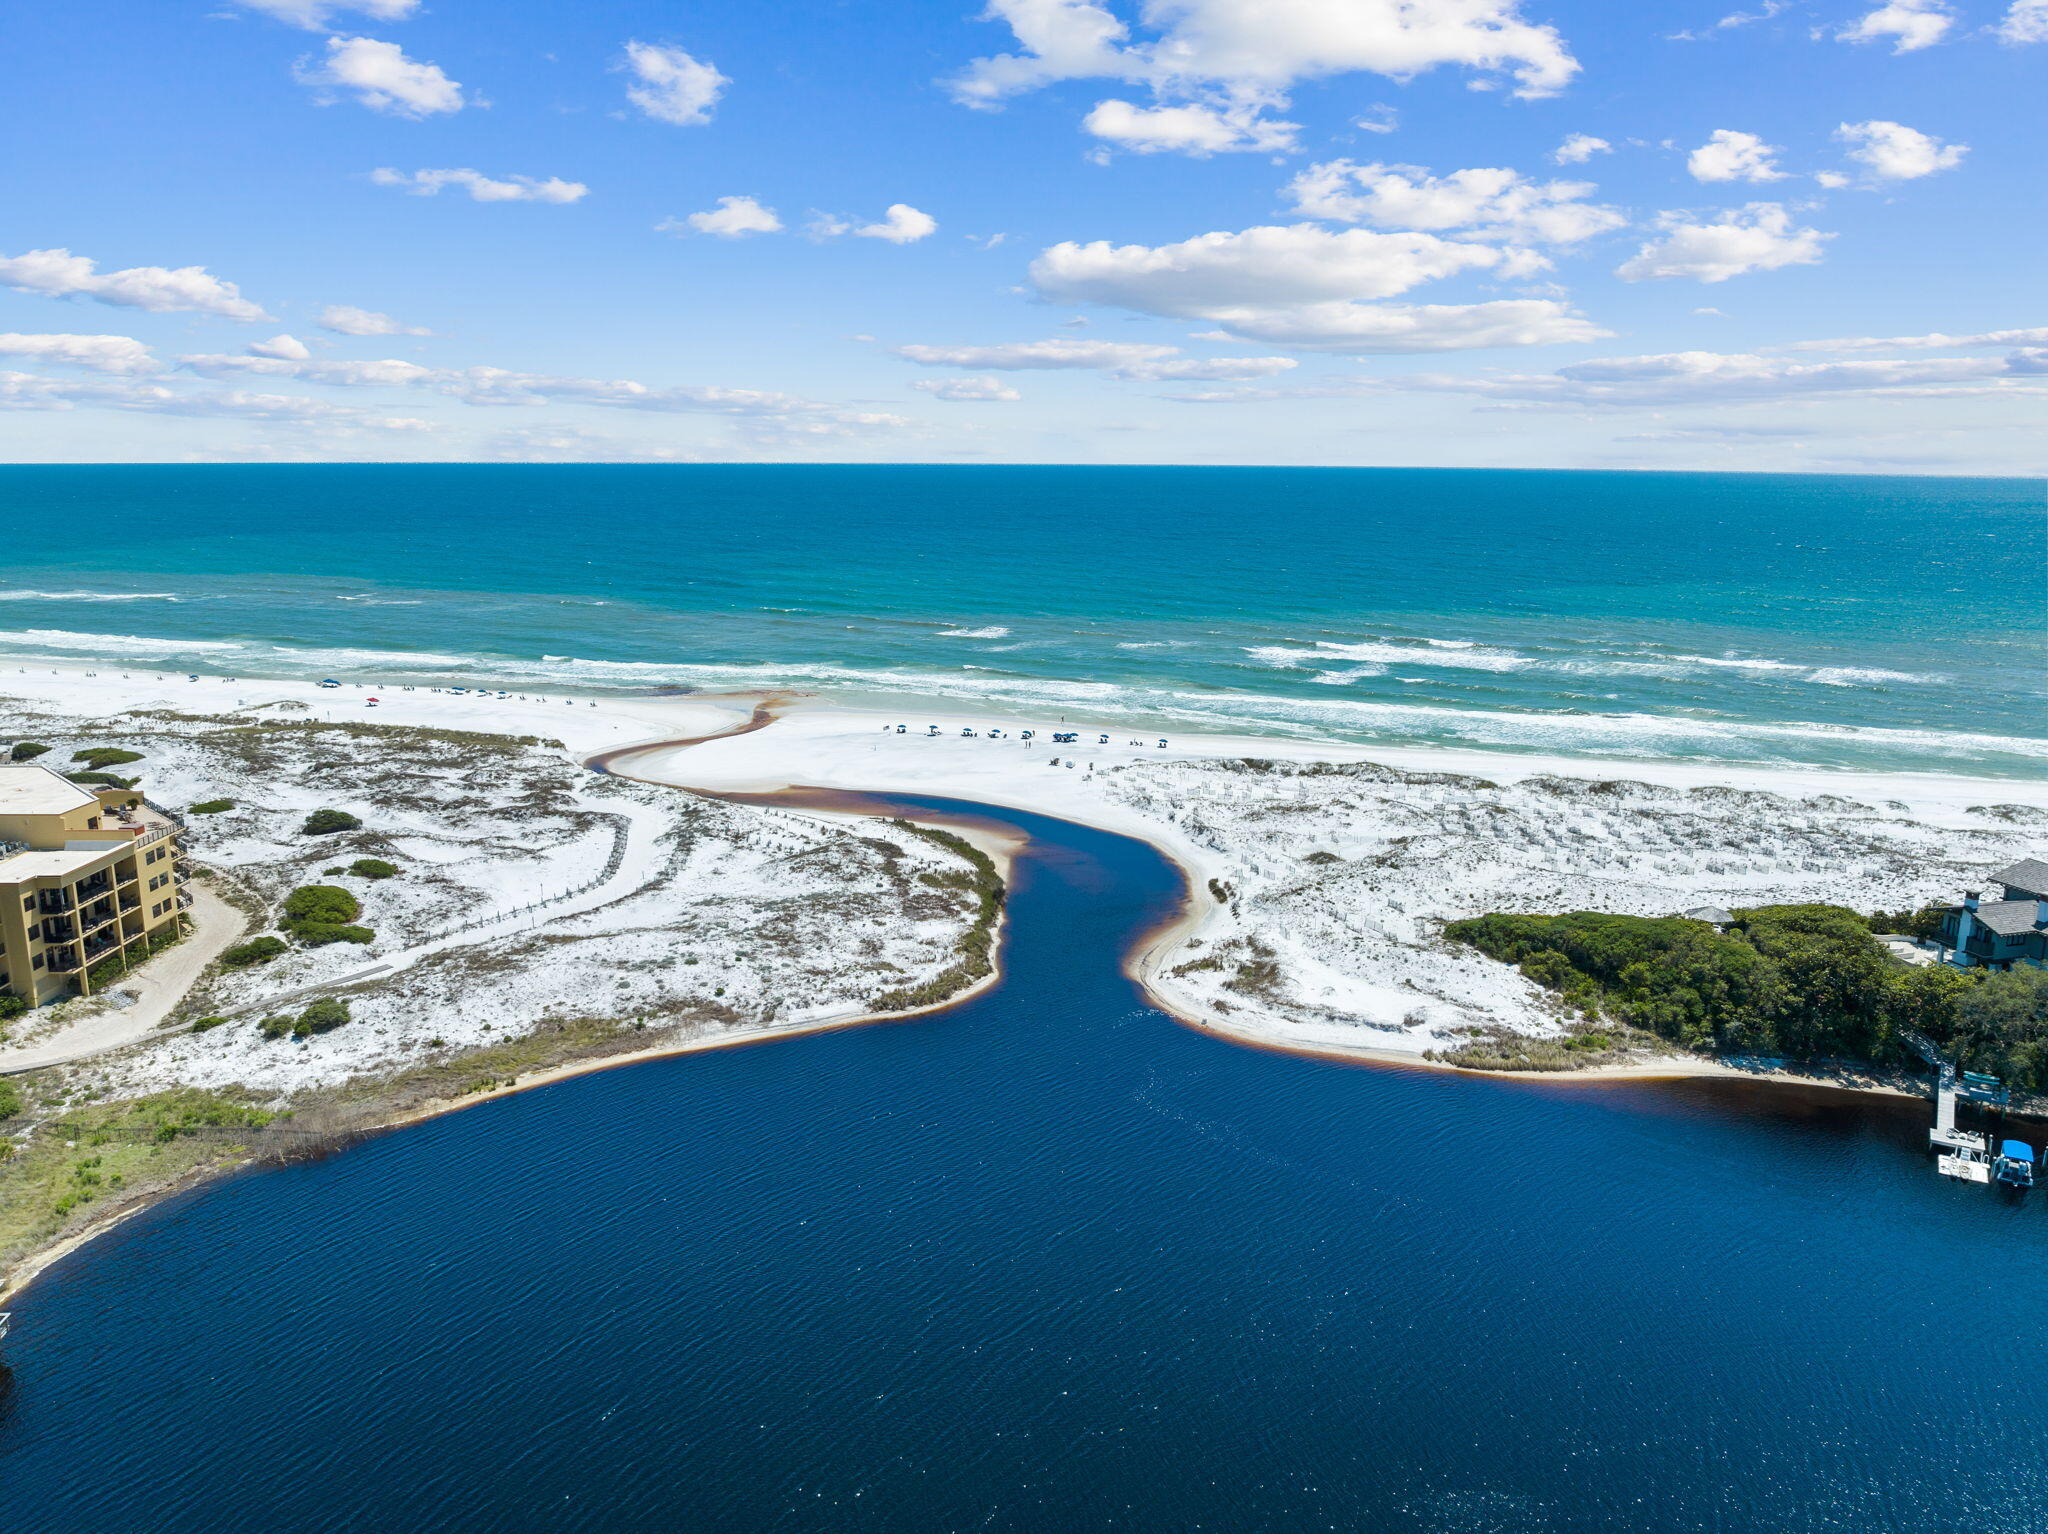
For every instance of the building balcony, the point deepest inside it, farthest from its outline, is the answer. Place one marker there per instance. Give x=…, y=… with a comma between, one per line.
x=101, y=945
x=98, y=885
x=130, y=901
x=128, y=876
x=53, y=902
x=59, y=929
x=61, y=961
x=98, y=916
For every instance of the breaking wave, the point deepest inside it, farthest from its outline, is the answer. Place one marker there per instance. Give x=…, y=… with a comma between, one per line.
x=1544, y=721
x=91, y=596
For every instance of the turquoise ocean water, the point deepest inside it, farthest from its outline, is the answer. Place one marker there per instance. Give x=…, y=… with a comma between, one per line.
x=1836, y=620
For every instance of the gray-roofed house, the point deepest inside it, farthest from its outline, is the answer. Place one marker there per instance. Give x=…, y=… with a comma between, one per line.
x=1713, y=914
x=2001, y=933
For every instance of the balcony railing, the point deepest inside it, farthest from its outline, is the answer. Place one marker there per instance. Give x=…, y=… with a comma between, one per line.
x=130, y=901
x=59, y=929
x=91, y=889
x=95, y=946
x=97, y=917
x=61, y=961
x=53, y=902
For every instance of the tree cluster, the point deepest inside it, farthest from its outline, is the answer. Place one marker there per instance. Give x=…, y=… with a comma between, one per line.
x=1805, y=981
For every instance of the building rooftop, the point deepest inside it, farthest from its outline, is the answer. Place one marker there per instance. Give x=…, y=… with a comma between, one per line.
x=26, y=789
x=2029, y=874
x=2004, y=917
x=1712, y=913
x=61, y=862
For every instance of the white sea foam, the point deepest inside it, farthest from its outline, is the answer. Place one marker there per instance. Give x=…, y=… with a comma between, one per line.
x=993, y=631
x=1339, y=678
x=1329, y=712
x=1431, y=653
x=90, y=596
x=1734, y=662
x=117, y=644
x=1866, y=676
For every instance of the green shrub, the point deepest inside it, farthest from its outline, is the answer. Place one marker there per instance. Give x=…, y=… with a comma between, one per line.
x=329, y=1012
x=321, y=902
x=212, y=807
x=206, y=1024
x=277, y=1026
x=26, y=749
x=111, y=968
x=99, y=757
x=258, y=950
x=102, y=779
x=323, y=913
x=327, y=822
x=1800, y=980
x=11, y=1006
x=373, y=868
x=10, y=1100
x=317, y=934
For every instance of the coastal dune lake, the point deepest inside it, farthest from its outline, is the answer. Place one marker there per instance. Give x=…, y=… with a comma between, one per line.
x=1052, y=1261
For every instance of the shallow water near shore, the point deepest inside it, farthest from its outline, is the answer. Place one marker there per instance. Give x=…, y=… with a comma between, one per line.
x=1826, y=620
x=1051, y=1261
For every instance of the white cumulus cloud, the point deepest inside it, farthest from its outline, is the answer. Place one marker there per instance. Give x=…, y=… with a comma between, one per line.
x=2036, y=335
x=965, y=390
x=317, y=15
x=672, y=86
x=102, y=354
x=1254, y=51
x=1683, y=378
x=1578, y=148
x=30, y=391
x=901, y=224
x=785, y=414
x=1895, y=152
x=382, y=78
x=1756, y=238
x=1907, y=24
x=1731, y=156
x=733, y=218
x=482, y=188
x=1304, y=286
x=1492, y=204
x=289, y=347
x=161, y=290
x=1189, y=129
x=1120, y=359
x=346, y=320
x=2025, y=22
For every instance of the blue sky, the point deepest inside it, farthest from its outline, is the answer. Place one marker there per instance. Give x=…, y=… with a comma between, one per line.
x=1786, y=235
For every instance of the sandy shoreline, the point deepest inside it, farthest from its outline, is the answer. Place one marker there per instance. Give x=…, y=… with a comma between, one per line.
x=764, y=745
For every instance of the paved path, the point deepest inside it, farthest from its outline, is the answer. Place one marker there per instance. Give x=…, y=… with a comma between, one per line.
x=161, y=984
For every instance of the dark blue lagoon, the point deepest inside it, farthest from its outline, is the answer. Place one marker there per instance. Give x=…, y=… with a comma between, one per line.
x=1053, y=1262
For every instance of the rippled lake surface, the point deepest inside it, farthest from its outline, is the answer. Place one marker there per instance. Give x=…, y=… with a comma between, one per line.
x=1054, y=1262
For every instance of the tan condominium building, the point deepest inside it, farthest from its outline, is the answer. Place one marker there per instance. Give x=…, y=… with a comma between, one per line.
x=90, y=881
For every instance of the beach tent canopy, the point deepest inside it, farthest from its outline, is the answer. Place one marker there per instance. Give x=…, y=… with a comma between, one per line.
x=1712, y=913
x=2017, y=1150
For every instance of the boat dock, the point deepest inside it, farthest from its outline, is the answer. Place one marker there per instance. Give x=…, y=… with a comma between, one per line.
x=1964, y=1154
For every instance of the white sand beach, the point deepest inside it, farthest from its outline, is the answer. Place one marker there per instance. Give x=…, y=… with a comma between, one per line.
x=1318, y=878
